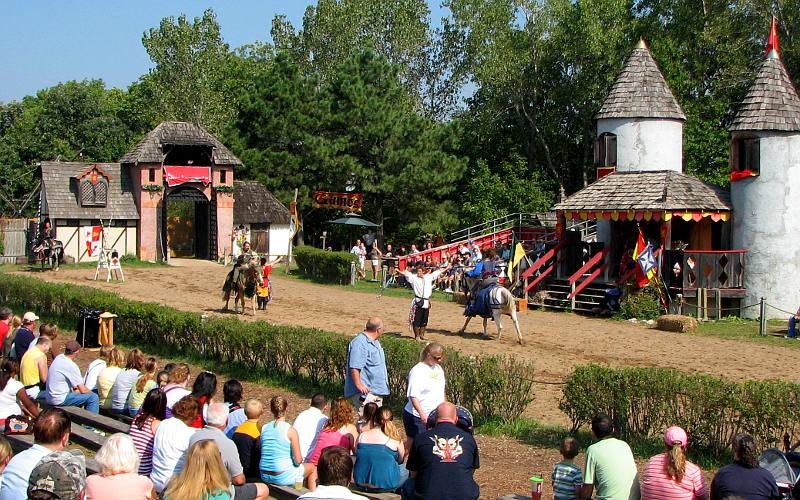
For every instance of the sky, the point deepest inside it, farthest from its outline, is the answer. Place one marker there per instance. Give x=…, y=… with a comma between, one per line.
x=43, y=42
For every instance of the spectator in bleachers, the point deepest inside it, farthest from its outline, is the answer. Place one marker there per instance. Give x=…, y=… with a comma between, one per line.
x=13, y=322
x=24, y=335
x=670, y=475
x=610, y=470
x=204, y=476
x=567, y=477
x=107, y=377
x=144, y=426
x=204, y=389
x=163, y=378
x=310, y=422
x=426, y=386
x=339, y=430
x=123, y=385
x=744, y=477
x=176, y=388
x=60, y=475
x=217, y=417
x=13, y=398
x=335, y=474
x=65, y=383
x=5, y=455
x=49, y=331
x=442, y=461
x=247, y=438
x=6, y=316
x=118, y=478
x=97, y=366
x=281, y=462
x=172, y=440
x=50, y=433
x=33, y=367
x=144, y=384
x=366, y=421
x=379, y=453
x=232, y=396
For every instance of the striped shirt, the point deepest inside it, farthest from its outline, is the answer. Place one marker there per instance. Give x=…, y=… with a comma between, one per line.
x=566, y=477
x=656, y=484
x=143, y=440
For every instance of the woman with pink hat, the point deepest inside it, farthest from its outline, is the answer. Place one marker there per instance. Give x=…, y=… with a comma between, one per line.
x=670, y=475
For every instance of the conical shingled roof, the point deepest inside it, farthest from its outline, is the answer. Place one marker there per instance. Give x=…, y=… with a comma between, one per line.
x=640, y=91
x=771, y=103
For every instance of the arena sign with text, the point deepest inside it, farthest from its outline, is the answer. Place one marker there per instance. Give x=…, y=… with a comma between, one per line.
x=350, y=202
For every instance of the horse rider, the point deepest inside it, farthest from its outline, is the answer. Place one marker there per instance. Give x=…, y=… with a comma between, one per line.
x=422, y=284
x=248, y=253
x=47, y=232
x=485, y=272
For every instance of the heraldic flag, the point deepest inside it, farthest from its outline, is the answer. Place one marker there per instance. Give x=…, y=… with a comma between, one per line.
x=643, y=255
x=519, y=254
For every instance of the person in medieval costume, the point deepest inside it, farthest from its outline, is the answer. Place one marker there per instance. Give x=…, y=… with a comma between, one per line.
x=485, y=272
x=248, y=253
x=264, y=292
x=422, y=284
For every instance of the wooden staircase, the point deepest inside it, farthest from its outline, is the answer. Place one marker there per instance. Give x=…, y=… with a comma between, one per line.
x=556, y=295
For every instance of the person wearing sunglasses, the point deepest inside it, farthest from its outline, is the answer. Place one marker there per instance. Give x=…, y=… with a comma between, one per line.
x=426, y=383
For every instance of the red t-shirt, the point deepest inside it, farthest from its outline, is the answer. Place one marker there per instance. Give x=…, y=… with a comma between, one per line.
x=265, y=272
x=4, y=327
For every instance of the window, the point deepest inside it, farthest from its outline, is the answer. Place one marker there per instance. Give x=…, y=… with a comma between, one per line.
x=746, y=155
x=605, y=150
x=152, y=175
x=94, y=194
x=223, y=176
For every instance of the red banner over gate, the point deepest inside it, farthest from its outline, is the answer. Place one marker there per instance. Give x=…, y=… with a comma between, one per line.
x=176, y=175
x=345, y=201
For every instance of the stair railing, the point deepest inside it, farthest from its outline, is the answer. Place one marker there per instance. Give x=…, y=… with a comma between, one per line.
x=549, y=259
x=576, y=287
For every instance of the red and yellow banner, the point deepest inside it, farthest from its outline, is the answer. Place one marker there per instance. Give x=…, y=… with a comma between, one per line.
x=646, y=215
x=350, y=202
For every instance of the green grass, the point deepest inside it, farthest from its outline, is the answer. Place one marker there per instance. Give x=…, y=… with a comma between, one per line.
x=362, y=286
x=126, y=260
x=734, y=328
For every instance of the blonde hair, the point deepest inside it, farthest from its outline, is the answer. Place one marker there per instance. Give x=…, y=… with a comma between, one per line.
x=384, y=418
x=16, y=322
x=675, y=466
x=253, y=408
x=116, y=358
x=5, y=450
x=117, y=455
x=203, y=473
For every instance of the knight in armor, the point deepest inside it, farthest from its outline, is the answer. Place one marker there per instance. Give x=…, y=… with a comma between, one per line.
x=486, y=271
x=47, y=233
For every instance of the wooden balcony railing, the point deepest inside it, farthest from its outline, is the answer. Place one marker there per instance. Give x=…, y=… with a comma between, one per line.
x=704, y=268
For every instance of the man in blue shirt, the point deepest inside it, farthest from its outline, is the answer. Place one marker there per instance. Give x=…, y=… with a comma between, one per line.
x=366, y=379
x=24, y=335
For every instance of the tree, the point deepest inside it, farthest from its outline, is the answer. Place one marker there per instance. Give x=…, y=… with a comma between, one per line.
x=191, y=74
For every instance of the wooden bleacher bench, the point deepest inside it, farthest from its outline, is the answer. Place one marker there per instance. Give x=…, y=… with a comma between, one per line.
x=288, y=493
x=99, y=422
x=21, y=442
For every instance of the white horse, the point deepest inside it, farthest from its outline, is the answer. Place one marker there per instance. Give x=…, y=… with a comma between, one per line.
x=501, y=302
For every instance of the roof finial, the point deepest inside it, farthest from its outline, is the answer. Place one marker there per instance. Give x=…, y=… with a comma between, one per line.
x=641, y=44
x=771, y=51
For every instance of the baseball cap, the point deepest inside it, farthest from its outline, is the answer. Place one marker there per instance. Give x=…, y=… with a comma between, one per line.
x=72, y=347
x=29, y=317
x=675, y=435
x=62, y=473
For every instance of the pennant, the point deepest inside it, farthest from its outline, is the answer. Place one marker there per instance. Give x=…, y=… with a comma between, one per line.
x=294, y=222
x=643, y=255
x=519, y=254
x=772, y=40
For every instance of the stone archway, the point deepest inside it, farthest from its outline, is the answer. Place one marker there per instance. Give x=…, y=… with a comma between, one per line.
x=188, y=226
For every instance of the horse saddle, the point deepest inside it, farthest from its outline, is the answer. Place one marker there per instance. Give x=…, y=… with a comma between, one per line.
x=483, y=304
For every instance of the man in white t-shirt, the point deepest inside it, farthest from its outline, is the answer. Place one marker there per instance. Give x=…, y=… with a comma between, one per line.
x=423, y=288
x=310, y=422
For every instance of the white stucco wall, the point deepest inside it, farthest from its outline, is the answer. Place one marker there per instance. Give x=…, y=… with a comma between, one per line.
x=278, y=240
x=121, y=239
x=646, y=144
x=767, y=223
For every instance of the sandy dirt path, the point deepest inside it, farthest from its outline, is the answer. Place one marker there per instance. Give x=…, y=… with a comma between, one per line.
x=557, y=342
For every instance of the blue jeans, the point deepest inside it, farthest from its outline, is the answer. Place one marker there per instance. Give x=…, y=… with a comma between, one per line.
x=88, y=401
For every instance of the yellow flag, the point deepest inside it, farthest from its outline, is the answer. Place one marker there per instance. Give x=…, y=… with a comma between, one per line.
x=519, y=253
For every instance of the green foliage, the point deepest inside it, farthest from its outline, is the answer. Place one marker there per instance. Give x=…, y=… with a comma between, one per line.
x=333, y=267
x=494, y=388
x=640, y=303
x=642, y=402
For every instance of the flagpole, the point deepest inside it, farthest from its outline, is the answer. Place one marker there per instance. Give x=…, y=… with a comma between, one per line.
x=293, y=218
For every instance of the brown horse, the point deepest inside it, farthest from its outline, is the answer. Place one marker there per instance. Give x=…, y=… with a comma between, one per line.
x=241, y=282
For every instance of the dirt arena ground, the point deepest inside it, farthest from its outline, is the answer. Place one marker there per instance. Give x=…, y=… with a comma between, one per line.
x=556, y=342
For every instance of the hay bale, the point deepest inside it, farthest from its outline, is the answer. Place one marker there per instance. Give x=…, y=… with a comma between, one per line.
x=460, y=298
x=677, y=323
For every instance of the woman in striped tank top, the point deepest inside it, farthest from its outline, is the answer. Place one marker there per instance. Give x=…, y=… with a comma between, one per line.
x=144, y=425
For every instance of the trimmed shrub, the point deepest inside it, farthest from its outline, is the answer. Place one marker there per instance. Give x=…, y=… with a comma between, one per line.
x=642, y=402
x=333, y=267
x=641, y=303
x=492, y=388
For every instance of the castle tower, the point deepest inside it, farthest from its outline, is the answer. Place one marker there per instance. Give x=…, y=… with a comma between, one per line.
x=765, y=188
x=640, y=125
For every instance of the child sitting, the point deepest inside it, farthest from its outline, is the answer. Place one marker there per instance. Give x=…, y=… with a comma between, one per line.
x=567, y=477
x=247, y=438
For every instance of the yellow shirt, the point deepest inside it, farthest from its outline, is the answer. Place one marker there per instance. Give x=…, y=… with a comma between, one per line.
x=29, y=368
x=105, y=381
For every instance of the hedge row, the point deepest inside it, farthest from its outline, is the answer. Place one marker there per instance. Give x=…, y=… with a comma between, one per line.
x=644, y=401
x=492, y=387
x=333, y=267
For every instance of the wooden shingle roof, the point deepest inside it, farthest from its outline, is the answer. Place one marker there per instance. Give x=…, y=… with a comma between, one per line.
x=654, y=191
x=254, y=204
x=640, y=91
x=150, y=149
x=771, y=103
x=60, y=189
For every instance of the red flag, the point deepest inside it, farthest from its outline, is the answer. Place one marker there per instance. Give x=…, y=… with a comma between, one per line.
x=772, y=41
x=642, y=252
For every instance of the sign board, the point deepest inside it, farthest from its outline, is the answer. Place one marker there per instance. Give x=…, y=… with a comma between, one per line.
x=177, y=175
x=604, y=171
x=350, y=202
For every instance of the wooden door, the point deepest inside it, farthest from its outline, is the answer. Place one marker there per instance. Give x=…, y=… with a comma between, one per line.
x=259, y=240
